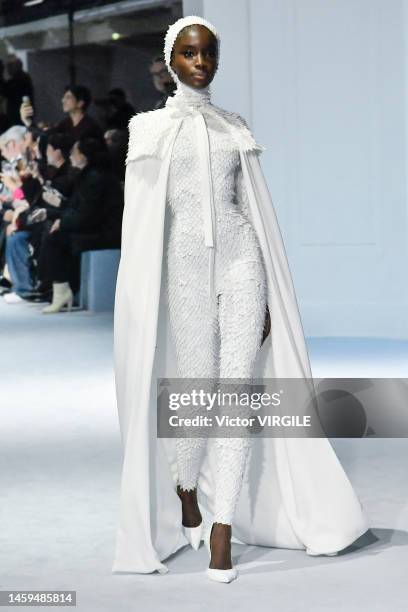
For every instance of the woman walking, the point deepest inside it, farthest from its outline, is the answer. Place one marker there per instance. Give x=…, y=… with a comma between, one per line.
x=202, y=266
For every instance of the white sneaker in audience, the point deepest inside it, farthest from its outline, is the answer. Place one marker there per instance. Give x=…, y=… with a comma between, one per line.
x=13, y=298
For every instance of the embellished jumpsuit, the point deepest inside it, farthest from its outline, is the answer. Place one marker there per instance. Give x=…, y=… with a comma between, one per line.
x=216, y=297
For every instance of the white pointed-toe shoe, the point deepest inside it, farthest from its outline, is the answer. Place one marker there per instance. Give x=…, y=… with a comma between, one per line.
x=219, y=575
x=194, y=535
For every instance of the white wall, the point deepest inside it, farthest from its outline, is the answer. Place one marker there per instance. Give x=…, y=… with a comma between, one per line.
x=323, y=85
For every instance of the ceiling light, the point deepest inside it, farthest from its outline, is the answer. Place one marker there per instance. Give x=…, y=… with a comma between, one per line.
x=32, y=2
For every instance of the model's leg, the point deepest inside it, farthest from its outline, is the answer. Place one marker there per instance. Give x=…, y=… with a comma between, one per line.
x=194, y=325
x=242, y=307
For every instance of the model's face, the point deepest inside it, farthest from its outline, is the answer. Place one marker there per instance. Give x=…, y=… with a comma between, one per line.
x=195, y=56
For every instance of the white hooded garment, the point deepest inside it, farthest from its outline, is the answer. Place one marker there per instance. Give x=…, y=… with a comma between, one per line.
x=296, y=494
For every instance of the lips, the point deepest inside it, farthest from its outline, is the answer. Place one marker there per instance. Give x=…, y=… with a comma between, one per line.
x=200, y=75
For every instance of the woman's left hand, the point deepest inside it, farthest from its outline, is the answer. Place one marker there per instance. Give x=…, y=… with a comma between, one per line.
x=267, y=326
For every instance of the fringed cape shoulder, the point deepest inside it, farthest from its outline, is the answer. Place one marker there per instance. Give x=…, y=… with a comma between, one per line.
x=150, y=130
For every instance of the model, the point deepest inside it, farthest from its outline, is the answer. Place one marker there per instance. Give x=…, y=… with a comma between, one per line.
x=202, y=265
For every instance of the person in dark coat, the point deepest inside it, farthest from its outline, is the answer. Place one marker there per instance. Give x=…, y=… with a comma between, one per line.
x=23, y=245
x=121, y=110
x=18, y=86
x=91, y=219
x=77, y=124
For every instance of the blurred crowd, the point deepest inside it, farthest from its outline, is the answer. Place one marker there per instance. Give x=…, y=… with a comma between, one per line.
x=61, y=185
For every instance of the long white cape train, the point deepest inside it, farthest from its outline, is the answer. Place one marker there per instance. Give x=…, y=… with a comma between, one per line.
x=295, y=494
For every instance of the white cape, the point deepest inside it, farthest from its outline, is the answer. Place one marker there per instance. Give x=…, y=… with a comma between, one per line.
x=296, y=494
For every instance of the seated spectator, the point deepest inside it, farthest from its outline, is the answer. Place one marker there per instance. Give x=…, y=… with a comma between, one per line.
x=78, y=124
x=31, y=166
x=12, y=143
x=121, y=110
x=91, y=219
x=31, y=227
x=12, y=202
x=58, y=157
x=117, y=141
x=162, y=80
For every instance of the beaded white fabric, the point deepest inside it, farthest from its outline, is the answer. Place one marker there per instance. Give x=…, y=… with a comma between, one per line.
x=217, y=336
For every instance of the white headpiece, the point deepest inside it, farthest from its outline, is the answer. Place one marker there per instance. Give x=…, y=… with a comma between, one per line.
x=173, y=31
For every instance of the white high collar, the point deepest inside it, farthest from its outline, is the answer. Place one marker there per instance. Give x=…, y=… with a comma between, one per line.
x=191, y=97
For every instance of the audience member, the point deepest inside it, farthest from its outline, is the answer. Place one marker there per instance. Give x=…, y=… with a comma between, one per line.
x=61, y=186
x=4, y=122
x=92, y=219
x=18, y=86
x=162, y=80
x=78, y=124
x=120, y=111
x=116, y=141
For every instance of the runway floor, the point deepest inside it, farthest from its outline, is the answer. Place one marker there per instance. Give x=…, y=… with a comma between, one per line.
x=60, y=476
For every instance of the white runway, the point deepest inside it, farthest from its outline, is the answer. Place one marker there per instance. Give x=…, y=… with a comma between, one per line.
x=60, y=476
